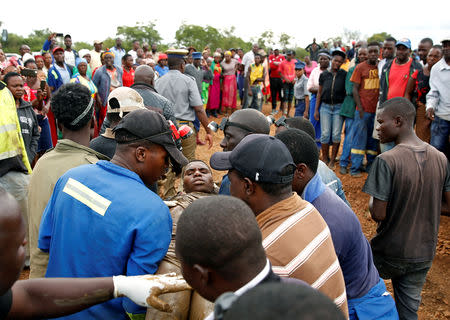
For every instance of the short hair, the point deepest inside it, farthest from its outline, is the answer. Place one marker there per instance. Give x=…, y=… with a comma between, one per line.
x=400, y=106
x=69, y=102
x=437, y=46
x=221, y=233
x=195, y=160
x=273, y=189
x=125, y=57
x=134, y=41
x=174, y=63
x=10, y=75
x=281, y=300
x=67, y=36
x=31, y=60
x=429, y=40
x=301, y=146
x=253, y=119
x=390, y=39
x=302, y=124
x=373, y=44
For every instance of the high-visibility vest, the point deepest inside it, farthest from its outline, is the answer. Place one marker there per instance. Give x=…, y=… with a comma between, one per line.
x=11, y=141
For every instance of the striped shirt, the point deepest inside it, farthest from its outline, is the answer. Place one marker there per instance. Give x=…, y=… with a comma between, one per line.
x=298, y=244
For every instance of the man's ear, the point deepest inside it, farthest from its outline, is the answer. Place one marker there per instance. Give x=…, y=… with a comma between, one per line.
x=249, y=187
x=141, y=154
x=203, y=273
x=300, y=171
x=399, y=121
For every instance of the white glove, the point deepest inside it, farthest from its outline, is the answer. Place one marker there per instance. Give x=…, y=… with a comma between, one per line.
x=144, y=290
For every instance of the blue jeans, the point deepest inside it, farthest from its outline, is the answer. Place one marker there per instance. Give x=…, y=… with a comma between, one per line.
x=440, y=130
x=315, y=123
x=330, y=123
x=363, y=142
x=255, y=100
x=300, y=106
x=240, y=84
x=407, y=280
x=348, y=140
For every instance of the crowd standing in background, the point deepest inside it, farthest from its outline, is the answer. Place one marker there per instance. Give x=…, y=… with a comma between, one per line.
x=85, y=133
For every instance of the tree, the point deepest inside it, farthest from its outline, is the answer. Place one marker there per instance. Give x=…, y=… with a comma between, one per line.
x=379, y=37
x=265, y=40
x=284, y=40
x=351, y=35
x=141, y=32
x=198, y=36
x=82, y=45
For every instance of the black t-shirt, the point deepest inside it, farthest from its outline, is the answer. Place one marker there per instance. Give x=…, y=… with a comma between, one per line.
x=106, y=146
x=333, y=86
x=411, y=179
x=5, y=304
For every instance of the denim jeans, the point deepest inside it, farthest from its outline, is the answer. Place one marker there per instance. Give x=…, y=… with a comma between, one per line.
x=330, y=123
x=363, y=142
x=440, y=130
x=348, y=140
x=255, y=100
x=314, y=122
x=300, y=106
x=407, y=280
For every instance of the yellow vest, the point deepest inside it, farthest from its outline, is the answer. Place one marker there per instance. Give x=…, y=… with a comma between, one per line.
x=11, y=141
x=256, y=73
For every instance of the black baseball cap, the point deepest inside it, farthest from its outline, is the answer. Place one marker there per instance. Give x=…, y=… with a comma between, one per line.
x=259, y=157
x=152, y=126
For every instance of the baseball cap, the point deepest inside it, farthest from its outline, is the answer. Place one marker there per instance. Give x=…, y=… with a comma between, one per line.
x=405, y=42
x=446, y=39
x=57, y=49
x=152, y=126
x=98, y=41
x=338, y=52
x=299, y=65
x=259, y=157
x=124, y=99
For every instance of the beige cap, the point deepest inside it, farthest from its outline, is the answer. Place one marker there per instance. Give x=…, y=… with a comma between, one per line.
x=124, y=99
x=98, y=41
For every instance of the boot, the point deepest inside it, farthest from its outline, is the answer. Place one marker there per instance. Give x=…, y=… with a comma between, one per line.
x=325, y=153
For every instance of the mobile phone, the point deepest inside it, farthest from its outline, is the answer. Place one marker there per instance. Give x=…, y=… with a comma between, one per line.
x=42, y=85
x=59, y=34
x=28, y=72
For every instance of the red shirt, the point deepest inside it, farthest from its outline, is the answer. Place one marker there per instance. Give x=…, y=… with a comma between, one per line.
x=273, y=67
x=287, y=69
x=398, y=79
x=128, y=77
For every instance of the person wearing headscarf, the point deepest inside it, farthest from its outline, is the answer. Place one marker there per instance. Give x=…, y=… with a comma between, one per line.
x=229, y=68
x=214, y=89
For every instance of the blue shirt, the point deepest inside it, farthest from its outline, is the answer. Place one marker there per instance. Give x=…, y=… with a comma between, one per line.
x=101, y=221
x=118, y=55
x=225, y=186
x=330, y=179
x=161, y=70
x=351, y=246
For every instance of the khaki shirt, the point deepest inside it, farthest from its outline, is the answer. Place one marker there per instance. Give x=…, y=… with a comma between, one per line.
x=66, y=155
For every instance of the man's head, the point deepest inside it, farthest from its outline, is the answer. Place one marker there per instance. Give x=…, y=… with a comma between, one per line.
x=373, y=52
x=255, y=48
x=197, y=56
x=140, y=53
x=197, y=177
x=47, y=59
x=305, y=155
x=338, y=59
x=127, y=60
x=145, y=144
x=362, y=54
x=154, y=47
x=219, y=245
x=176, y=59
x=260, y=170
x=324, y=59
x=162, y=60
x=98, y=45
x=136, y=45
x=58, y=55
x=108, y=57
x=298, y=123
x=144, y=74
x=12, y=241
x=434, y=55
x=389, y=48
x=242, y=123
x=424, y=47
x=73, y=107
x=118, y=42
x=14, y=83
x=276, y=52
x=280, y=301
x=122, y=101
x=403, y=48
x=446, y=49
x=24, y=49
x=68, y=41
x=290, y=55
x=396, y=118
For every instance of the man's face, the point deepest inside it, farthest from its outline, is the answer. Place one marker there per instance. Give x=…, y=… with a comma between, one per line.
x=298, y=72
x=68, y=42
x=255, y=48
x=154, y=165
x=231, y=137
x=163, y=62
x=336, y=63
x=197, y=62
x=289, y=57
x=135, y=45
x=446, y=49
x=434, y=56
x=47, y=58
x=324, y=62
x=423, y=50
x=98, y=47
x=373, y=53
x=197, y=178
x=24, y=49
x=237, y=185
x=276, y=52
x=15, y=85
x=402, y=53
x=388, y=50
x=2, y=55
x=109, y=60
x=257, y=59
x=154, y=47
x=59, y=56
x=386, y=127
x=129, y=62
x=118, y=42
x=39, y=63
x=140, y=53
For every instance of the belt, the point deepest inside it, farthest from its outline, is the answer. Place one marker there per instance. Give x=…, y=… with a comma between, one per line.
x=183, y=121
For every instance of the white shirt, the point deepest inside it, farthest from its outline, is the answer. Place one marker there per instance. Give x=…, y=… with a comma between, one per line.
x=251, y=284
x=247, y=60
x=69, y=57
x=439, y=96
x=133, y=54
x=313, y=80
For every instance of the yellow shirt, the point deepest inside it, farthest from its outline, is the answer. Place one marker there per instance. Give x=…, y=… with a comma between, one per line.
x=256, y=73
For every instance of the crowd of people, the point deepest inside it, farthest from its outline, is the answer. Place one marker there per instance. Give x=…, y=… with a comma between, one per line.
x=94, y=142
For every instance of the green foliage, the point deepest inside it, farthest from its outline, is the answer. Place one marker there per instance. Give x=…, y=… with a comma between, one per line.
x=141, y=32
x=284, y=40
x=379, y=37
x=301, y=53
x=350, y=35
x=35, y=40
x=82, y=45
x=265, y=40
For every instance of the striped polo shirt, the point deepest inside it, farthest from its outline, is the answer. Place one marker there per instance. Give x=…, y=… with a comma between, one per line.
x=298, y=244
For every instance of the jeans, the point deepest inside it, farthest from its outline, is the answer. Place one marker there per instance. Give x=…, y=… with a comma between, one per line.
x=363, y=142
x=255, y=100
x=408, y=279
x=240, y=84
x=300, y=106
x=330, y=122
x=440, y=130
x=348, y=140
x=275, y=88
x=245, y=103
x=288, y=92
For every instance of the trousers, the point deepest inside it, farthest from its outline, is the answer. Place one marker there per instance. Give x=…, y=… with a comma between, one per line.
x=363, y=142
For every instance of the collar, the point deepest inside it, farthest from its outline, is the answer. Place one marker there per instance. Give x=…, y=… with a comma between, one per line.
x=118, y=170
x=442, y=64
x=108, y=133
x=251, y=284
x=66, y=145
x=280, y=210
x=314, y=188
x=142, y=84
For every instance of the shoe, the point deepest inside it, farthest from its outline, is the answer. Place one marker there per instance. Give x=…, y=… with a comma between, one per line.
x=332, y=165
x=343, y=170
x=274, y=112
x=356, y=174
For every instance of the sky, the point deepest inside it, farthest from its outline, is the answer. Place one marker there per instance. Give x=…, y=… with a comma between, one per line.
x=250, y=18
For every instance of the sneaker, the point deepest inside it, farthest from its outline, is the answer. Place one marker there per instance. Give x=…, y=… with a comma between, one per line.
x=274, y=112
x=343, y=170
x=356, y=174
